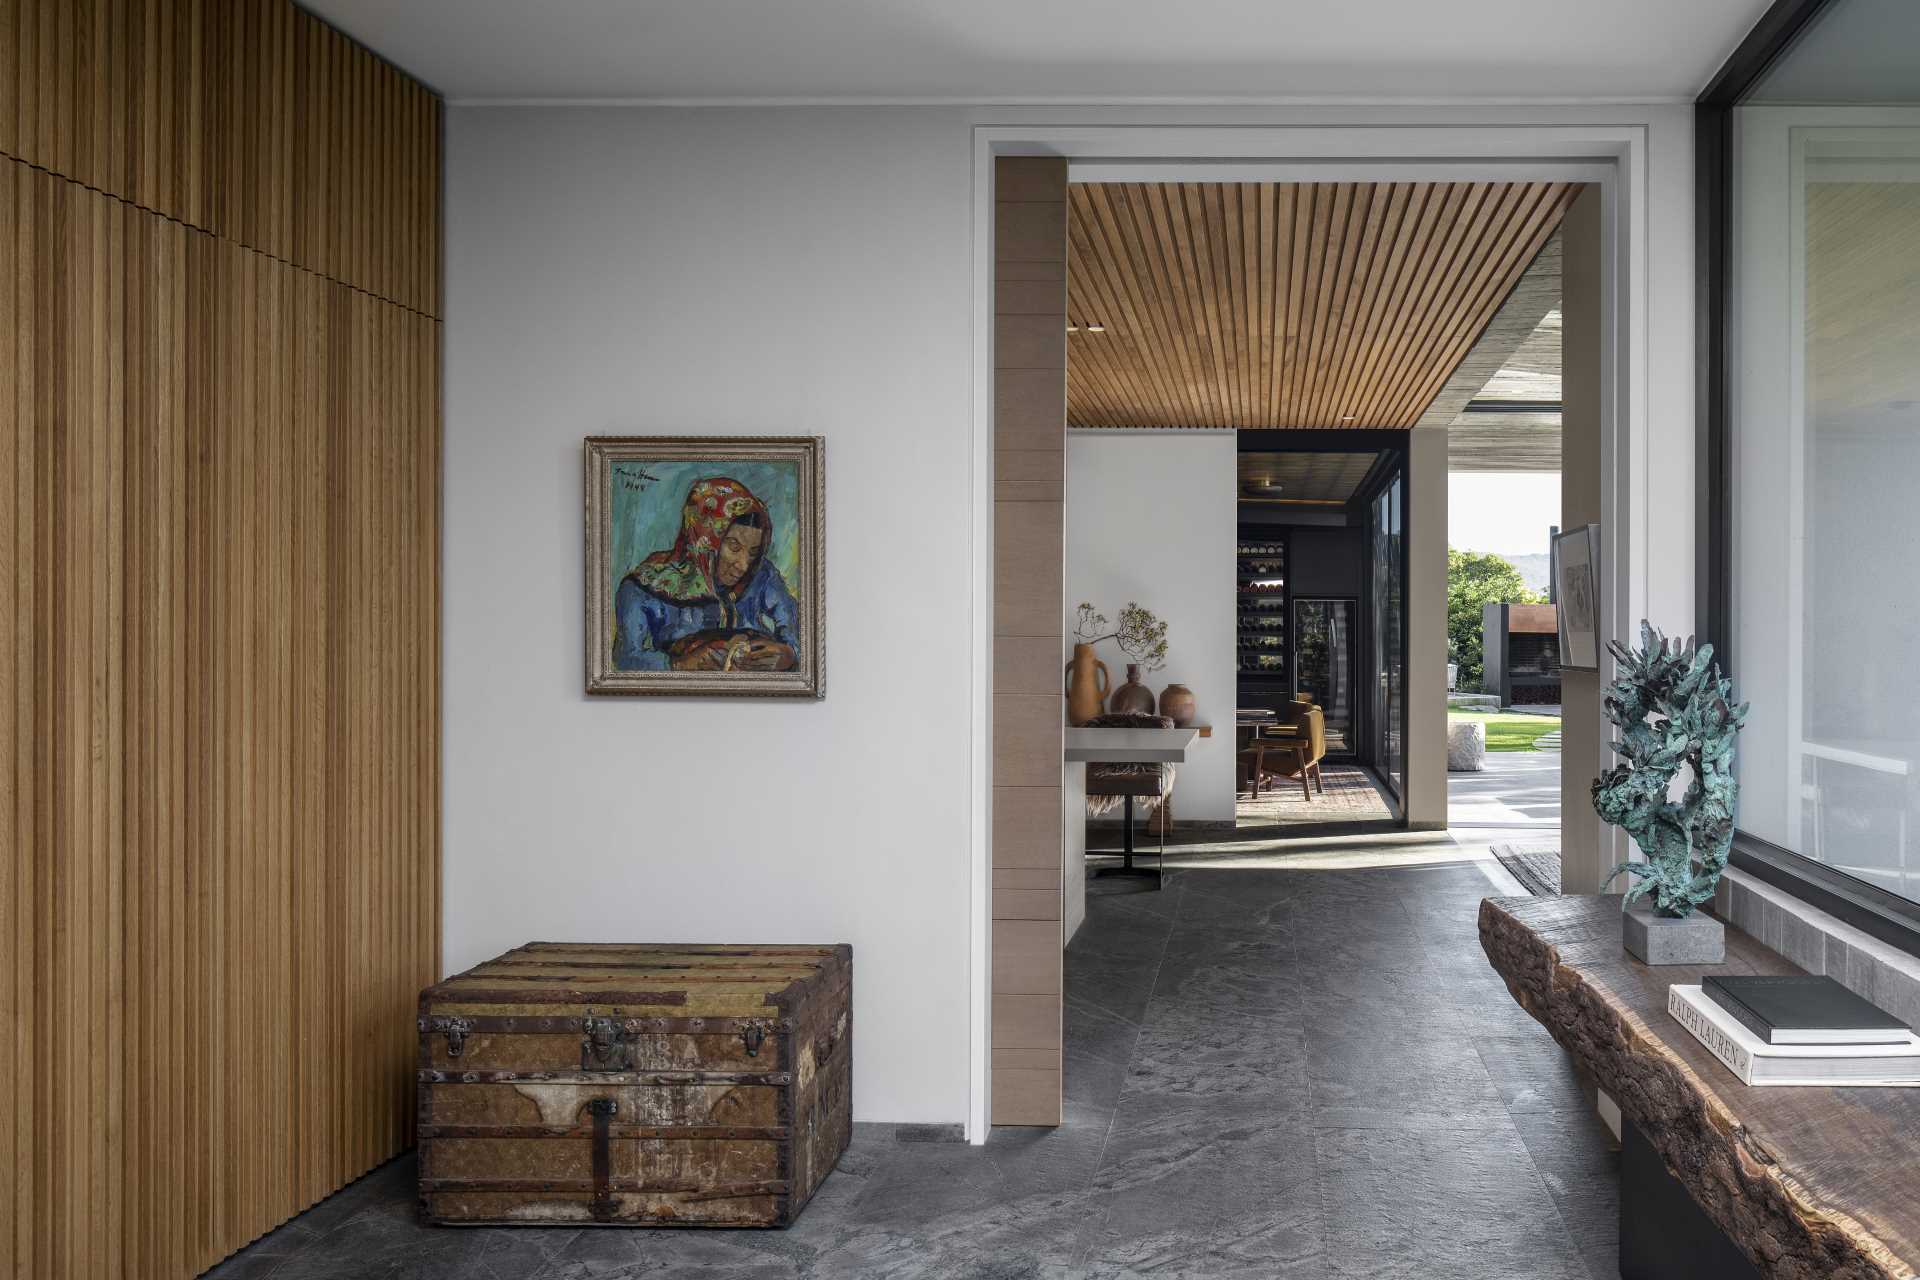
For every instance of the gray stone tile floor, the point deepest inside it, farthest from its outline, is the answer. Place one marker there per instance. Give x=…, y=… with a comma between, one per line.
x=1271, y=1072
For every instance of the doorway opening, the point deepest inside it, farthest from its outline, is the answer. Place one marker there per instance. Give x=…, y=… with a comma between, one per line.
x=1504, y=511
x=1319, y=635
x=1020, y=463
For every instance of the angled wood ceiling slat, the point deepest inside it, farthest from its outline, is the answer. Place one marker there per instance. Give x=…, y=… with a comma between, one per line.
x=1532, y=227
x=1502, y=262
x=1263, y=295
x=1383, y=260
x=1466, y=258
x=1137, y=285
x=1343, y=302
x=1287, y=304
x=1483, y=213
x=1408, y=242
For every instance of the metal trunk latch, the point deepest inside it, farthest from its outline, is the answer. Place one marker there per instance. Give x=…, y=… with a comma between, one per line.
x=604, y=1047
x=753, y=1035
x=456, y=1031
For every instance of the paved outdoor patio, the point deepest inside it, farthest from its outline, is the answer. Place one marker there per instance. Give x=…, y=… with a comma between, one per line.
x=1518, y=792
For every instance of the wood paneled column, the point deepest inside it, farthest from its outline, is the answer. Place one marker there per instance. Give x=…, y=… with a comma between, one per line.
x=1029, y=469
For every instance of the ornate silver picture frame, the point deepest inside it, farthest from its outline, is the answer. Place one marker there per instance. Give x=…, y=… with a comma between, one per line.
x=705, y=573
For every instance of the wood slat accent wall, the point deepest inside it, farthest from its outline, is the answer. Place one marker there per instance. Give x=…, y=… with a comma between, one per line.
x=219, y=674
x=1287, y=304
x=1029, y=634
x=250, y=119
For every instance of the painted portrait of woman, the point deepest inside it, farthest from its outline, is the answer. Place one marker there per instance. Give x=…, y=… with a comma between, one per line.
x=704, y=565
x=713, y=602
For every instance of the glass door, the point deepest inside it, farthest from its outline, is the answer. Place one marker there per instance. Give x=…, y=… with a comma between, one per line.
x=1388, y=606
x=1323, y=658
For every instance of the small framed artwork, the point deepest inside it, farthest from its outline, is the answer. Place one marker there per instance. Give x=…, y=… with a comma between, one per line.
x=704, y=566
x=1576, y=589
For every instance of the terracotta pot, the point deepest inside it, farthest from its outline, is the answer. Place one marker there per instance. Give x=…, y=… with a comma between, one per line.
x=1087, y=684
x=1132, y=696
x=1176, y=703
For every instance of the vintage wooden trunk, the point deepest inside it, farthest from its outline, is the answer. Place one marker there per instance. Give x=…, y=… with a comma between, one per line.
x=637, y=1085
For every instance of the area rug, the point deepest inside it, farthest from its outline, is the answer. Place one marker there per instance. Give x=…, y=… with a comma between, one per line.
x=1350, y=796
x=1537, y=866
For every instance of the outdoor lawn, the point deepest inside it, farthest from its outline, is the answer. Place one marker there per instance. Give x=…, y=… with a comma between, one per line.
x=1507, y=732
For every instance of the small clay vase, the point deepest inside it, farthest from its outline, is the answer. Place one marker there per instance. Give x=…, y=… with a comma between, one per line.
x=1132, y=696
x=1087, y=684
x=1176, y=703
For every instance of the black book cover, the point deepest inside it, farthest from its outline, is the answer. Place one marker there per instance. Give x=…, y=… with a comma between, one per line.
x=1802, y=1009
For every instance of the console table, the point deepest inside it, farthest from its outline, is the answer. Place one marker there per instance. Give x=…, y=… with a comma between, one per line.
x=1806, y=1182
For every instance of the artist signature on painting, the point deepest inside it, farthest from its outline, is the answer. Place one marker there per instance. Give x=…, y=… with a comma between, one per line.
x=636, y=479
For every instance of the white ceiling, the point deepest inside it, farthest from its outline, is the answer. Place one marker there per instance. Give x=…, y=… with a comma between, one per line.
x=1053, y=50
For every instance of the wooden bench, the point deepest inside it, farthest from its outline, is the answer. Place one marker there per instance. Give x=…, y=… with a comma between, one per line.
x=1803, y=1182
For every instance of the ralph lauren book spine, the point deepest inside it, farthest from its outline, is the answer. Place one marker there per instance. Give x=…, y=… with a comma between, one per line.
x=1733, y=1005
x=1723, y=1046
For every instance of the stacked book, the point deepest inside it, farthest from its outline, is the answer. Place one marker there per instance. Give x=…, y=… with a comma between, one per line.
x=1804, y=1030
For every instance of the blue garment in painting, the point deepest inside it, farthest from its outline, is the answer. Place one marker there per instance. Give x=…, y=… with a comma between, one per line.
x=646, y=624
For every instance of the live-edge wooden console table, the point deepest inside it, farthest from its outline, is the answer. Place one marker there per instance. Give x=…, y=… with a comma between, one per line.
x=1807, y=1183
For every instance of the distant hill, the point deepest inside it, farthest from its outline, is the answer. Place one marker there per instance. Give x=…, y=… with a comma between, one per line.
x=1534, y=568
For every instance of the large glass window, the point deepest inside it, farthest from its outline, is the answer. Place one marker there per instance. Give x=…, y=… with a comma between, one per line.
x=1323, y=664
x=1388, y=597
x=1823, y=437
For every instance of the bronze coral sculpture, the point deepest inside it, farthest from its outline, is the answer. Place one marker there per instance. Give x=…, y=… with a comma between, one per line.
x=1672, y=707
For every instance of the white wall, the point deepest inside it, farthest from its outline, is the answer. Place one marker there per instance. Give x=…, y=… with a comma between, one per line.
x=1152, y=517
x=737, y=272
x=631, y=270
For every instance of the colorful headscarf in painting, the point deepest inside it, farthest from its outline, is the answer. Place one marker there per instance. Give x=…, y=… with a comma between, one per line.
x=685, y=574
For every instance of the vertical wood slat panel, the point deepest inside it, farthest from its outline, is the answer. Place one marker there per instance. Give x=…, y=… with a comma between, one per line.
x=250, y=119
x=218, y=682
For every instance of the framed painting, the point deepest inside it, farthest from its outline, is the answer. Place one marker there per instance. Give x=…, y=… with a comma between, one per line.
x=704, y=566
x=1576, y=589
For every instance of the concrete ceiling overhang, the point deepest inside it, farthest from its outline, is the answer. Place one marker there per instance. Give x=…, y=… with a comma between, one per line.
x=1501, y=405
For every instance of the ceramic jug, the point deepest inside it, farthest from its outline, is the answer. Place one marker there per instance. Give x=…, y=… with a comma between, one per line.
x=1087, y=684
x=1133, y=696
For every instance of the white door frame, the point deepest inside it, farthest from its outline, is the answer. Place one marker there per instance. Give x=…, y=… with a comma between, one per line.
x=1393, y=146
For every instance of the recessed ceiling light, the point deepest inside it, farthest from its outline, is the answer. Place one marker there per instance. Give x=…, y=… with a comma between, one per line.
x=1072, y=327
x=1346, y=417
x=1096, y=328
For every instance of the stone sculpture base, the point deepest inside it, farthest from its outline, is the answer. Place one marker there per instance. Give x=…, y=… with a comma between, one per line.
x=1652, y=938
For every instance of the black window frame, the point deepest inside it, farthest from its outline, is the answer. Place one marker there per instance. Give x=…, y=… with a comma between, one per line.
x=1886, y=916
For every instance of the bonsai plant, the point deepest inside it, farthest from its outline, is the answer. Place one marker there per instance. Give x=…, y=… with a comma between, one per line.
x=1673, y=708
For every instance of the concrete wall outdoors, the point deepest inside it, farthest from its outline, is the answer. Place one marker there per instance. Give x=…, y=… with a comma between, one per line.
x=1151, y=518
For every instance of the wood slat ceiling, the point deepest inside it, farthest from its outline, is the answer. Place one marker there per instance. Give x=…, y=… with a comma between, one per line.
x=1286, y=304
x=1330, y=478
